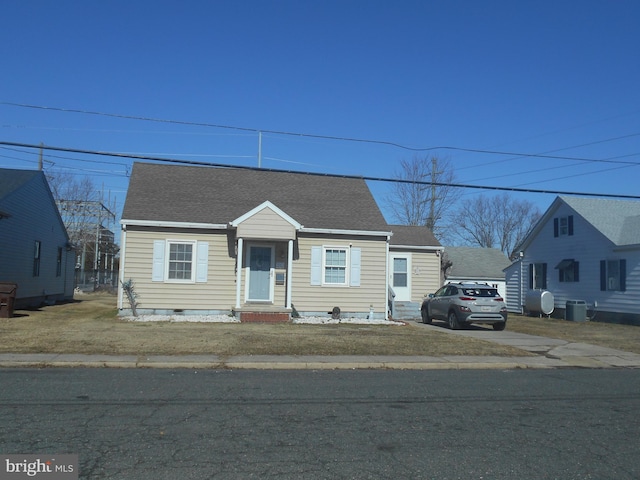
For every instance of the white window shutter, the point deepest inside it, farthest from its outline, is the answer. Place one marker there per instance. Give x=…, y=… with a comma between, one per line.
x=316, y=265
x=356, y=256
x=157, y=272
x=202, y=261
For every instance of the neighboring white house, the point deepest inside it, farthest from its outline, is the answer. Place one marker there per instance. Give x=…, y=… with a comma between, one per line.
x=35, y=252
x=475, y=264
x=584, y=249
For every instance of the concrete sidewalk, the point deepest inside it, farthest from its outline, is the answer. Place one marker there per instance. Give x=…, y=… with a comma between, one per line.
x=275, y=362
x=546, y=353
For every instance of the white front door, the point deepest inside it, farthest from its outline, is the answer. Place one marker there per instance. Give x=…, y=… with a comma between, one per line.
x=260, y=273
x=401, y=276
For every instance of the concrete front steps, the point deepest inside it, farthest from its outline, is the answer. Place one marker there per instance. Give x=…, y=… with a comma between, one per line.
x=406, y=311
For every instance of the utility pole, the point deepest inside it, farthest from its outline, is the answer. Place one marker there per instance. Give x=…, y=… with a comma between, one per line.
x=432, y=206
x=260, y=149
x=40, y=158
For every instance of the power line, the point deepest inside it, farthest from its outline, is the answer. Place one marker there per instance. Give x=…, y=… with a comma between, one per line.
x=366, y=178
x=310, y=135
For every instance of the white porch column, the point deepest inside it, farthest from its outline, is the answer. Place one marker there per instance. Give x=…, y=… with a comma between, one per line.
x=387, y=276
x=289, y=272
x=239, y=272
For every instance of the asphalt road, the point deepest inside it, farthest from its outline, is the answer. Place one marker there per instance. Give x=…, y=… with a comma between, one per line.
x=366, y=424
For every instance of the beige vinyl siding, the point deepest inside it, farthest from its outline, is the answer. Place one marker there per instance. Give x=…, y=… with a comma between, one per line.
x=217, y=293
x=425, y=273
x=266, y=224
x=322, y=298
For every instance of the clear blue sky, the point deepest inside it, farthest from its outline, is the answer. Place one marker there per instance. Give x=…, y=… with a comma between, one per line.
x=532, y=77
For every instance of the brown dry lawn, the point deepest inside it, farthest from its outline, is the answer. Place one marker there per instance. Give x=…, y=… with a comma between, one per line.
x=621, y=337
x=90, y=325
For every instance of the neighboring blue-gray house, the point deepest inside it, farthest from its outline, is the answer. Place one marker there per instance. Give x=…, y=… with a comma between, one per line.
x=584, y=249
x=475, y=264
x=35, y=252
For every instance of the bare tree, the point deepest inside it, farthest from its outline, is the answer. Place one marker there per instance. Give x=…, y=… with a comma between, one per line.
x=72, y=195
x=88, y=222
x=421, y=196
x=496, y=222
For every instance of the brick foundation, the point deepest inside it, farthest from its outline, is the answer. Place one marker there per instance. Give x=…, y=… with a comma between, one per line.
x=264, y=317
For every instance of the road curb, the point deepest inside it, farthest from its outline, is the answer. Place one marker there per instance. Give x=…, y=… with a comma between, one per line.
x=276, y=363
x=315, y=362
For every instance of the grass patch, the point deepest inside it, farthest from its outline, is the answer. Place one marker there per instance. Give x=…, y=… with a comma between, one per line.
x=90, y=325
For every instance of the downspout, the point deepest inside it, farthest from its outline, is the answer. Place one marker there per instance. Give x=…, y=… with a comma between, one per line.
x=123, y=240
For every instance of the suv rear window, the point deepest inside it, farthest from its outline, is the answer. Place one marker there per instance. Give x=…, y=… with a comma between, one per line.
x=480, y=292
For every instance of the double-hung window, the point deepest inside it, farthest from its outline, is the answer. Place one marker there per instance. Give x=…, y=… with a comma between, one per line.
x=36, y=258
x=563, y=226
x=335, y=266
x=180, y=265
x=59, y=262
x=613, y=275
x=537, y=276
x=568, y=270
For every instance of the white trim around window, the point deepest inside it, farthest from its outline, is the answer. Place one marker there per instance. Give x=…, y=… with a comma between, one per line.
x=180, y=261
x=336, y=265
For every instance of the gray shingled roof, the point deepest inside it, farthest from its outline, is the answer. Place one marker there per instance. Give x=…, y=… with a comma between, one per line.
x=618, y=220
x=476, y=262
x=413, y=235
x=160, y=192
x=12, y=179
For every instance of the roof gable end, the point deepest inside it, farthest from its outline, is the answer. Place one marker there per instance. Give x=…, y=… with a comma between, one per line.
x=260, y=208
x=617, y=220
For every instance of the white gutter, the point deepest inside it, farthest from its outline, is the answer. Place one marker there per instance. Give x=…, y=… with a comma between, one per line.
x=417, y=247
x=160, y=223
x=624, y=248
x=329, y=231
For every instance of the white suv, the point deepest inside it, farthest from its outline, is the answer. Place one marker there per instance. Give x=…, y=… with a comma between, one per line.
x=461, y=304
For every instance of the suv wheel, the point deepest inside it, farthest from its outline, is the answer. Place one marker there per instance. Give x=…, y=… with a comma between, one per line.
x=453, y=321
x=426, y=318
x=499, y=326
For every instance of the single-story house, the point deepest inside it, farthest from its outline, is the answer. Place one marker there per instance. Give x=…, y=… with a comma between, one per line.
x=261, y=245
x=478, y=265
x=35, y=252
x=583, y=251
